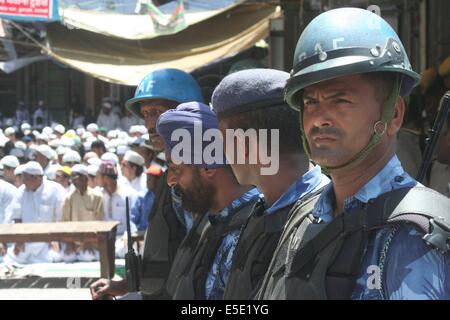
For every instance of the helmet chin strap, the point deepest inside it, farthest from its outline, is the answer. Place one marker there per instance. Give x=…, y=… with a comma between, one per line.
x=386, y=117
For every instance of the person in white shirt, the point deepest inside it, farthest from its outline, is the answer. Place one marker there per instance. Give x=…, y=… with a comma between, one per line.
x=108, y=119
x=114, y=203
x=38, y=200
x=132, y=166
x=44, y=155
x=129, y=120
x=10, y=163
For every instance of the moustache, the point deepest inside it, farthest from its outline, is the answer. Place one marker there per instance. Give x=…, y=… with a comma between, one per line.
x=325, y=131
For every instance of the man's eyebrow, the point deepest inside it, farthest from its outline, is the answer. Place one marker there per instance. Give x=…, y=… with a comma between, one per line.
x=334, y=95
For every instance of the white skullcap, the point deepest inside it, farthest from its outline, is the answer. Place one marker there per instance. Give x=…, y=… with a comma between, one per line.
x=71, y=156
x=92, y=127
x=25, y=126
x=42, y=136
x=87, y=146
x=122, y=149
x=59, y=128
x=80, y=131
x=46, y=151
x=9, y=131
x=19, y=170
x=10, y=161
x=61, y=150
x=89, y=155
x=94, y=161
x=53, y=143
x=47, y=130
x=134, y=157
x=92, y=169
x=86, y=135
x=33, y=168
x=20, y=145
x=66, y=142
x=109, y=156
x=80, y=168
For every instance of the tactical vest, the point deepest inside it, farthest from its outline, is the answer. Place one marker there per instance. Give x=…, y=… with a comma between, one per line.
x=317, y=260
x=161, y=242
x=197, y=252
x=255, y=249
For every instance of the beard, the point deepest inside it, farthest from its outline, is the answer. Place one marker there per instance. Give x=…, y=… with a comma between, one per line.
x=198, y=198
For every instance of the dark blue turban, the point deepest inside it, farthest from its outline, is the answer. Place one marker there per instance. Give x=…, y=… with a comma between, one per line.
x=193, y=117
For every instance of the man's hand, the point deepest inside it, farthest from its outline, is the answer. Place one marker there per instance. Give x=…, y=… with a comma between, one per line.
x=105, y=288
x=19, y=247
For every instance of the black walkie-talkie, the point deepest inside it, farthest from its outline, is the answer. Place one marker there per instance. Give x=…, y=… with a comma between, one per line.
x=131, y=259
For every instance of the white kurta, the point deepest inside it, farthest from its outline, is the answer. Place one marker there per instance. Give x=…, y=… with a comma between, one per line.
x=138, y=184
x=7, y=194
x=43, y=205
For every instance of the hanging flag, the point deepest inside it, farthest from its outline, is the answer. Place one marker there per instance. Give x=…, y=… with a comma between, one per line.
x=167, y=24
x=29, y=10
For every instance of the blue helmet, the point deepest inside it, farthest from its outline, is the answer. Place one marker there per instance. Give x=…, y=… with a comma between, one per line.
x=347, y=41
x=167, y=84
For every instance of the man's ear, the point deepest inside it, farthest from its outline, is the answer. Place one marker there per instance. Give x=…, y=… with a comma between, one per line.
x=399, y=112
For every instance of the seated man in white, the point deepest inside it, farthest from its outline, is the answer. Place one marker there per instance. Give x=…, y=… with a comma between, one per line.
x=37, y=200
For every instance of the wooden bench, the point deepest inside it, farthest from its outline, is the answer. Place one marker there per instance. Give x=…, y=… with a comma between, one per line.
x=103, y=233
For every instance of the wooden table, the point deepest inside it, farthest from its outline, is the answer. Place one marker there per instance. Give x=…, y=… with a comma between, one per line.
x=103, y=233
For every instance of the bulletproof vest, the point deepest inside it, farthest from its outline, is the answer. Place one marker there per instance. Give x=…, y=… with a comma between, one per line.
x=161, y=242
x=196, y=254
x=255, y=249
x=318, y=261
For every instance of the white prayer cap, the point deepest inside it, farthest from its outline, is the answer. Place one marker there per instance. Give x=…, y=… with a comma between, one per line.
x=9, y=131
x=80, y=169
x=66, y=142
x=86, y=135
x=54, y=143
x=122, y=149
x=80, y=131
x=33, y=168
x=71, y=156
x=10, y=161
x=61, y=150
x=25, y=126
x=42, y=136
x=87, y=145
x=94, y=161
x=20, y=145
x=46, y=151
x=60, y=128
x=109, y=156
x=92, y=169
x=19, y=170
x=92, y=127
x=134, y=157
x=47, y=130
x=89, y=155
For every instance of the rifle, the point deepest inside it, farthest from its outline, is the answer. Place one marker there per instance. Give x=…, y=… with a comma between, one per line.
x=434, y=136
x=131, y=259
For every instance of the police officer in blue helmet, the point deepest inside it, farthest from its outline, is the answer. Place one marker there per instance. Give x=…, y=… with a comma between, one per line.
x=159, y=91
x=375, y=232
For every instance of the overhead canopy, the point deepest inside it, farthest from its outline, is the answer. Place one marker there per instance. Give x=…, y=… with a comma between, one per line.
x=128, y=61
x=138, y=26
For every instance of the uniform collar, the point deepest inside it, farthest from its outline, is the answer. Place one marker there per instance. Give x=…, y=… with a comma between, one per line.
x=305, y=184
x=391, y=177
